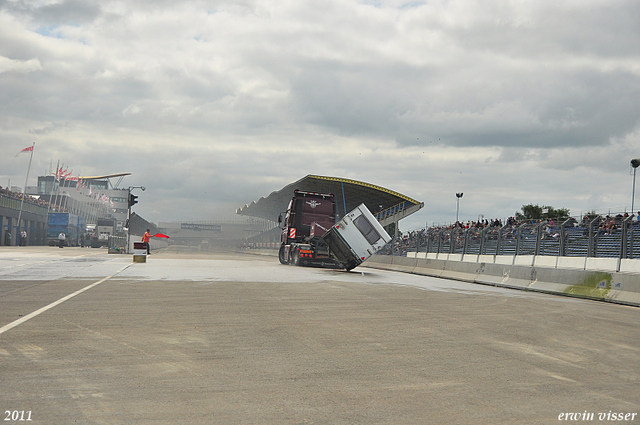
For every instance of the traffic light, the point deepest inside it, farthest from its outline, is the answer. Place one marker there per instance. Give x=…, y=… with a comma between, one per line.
x=132, y=200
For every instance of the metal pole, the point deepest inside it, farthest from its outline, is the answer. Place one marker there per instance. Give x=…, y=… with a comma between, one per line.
x=24, y=192
x=128, y=221
x=633, y=192
x=458, y=195
x=344, y=201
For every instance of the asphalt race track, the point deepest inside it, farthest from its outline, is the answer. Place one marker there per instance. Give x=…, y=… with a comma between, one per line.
x=223, y=338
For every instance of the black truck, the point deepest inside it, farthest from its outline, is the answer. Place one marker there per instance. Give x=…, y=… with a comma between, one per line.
x=308, y=217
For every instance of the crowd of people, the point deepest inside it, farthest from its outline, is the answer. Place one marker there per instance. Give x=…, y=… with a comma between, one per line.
x=510, y=228
x=30, y=200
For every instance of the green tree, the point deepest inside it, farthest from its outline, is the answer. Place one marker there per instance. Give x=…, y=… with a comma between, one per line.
x=536, y=212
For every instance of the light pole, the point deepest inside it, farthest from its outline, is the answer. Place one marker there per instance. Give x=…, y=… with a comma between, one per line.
x=458, y=196
x=634, y=163
x=131, y=200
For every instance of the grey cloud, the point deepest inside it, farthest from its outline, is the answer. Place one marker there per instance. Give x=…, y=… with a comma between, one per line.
x=74, y=12
x=48, y=16
x=238, y=99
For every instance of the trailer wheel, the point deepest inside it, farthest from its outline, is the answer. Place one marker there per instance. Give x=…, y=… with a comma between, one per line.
x=281, y=255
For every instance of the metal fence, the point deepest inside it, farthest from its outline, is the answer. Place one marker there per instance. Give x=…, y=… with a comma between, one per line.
x=617, y=237
x=14, y=204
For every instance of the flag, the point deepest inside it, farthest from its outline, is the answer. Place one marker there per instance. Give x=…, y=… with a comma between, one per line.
x=59, y=173
x=29, y=149
x=160, y=235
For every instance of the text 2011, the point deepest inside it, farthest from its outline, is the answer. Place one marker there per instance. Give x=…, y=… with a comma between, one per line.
x=17, y=415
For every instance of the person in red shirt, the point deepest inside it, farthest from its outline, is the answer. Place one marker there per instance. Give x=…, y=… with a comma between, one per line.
x=145, y=238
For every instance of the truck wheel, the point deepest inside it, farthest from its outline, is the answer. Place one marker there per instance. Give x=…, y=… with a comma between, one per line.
x=281, y=255
x=296, y=257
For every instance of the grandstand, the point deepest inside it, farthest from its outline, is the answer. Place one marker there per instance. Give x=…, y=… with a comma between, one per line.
x=388, y=206
x=599, y=236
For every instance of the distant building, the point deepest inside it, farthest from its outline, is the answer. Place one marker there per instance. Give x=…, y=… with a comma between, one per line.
x=91, y=197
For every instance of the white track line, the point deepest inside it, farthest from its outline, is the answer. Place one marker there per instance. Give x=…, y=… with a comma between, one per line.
x=55, y=303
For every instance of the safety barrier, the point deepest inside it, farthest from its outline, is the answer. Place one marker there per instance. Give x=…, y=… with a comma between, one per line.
x=592, y=278
x=617, y=237
x=14, y=204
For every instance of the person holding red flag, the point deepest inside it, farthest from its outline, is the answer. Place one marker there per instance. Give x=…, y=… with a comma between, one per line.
x=145, y=238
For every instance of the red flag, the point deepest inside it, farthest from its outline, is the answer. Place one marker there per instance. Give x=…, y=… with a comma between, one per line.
x=160, y=235
x=29, y=149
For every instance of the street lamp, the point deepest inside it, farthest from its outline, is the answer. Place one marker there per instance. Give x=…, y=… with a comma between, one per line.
x=458, y=196
x=634, y=163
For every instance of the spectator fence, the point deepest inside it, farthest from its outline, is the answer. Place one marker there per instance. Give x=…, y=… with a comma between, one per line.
x=617, y=237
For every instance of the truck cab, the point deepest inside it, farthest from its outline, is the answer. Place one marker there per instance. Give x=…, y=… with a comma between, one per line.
x=308, y=217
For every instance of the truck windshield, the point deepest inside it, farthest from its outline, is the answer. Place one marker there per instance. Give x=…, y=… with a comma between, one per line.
x=370, y=234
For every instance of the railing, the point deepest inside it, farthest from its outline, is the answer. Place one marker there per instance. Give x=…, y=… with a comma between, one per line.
x=393, y=210
x=117, y=242
x=14, y=204
x=618, y=238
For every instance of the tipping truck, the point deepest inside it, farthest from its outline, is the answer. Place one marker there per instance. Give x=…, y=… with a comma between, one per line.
x=355, y=238
x=308, y=217
x=311, y=235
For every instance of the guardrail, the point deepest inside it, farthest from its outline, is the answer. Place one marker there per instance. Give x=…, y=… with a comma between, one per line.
x=14, y=204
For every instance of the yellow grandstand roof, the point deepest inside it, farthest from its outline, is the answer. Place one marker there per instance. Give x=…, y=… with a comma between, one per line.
x=106, y=176
x=349, y=194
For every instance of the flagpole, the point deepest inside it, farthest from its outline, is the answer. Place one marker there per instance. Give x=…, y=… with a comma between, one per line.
x=53, y=184
x=59, y=178
x=24, y=191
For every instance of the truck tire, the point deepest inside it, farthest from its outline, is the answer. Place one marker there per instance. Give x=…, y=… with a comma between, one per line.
x=281, y=255
x=296, y=257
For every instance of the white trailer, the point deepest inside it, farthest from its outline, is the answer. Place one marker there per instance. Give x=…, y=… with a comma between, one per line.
x=356, y=237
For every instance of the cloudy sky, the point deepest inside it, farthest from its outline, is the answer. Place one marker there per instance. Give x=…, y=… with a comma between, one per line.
x=213, y=104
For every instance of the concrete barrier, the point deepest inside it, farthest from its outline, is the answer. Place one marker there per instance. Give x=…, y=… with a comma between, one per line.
x=455, y=257
x=430, y=267
x=624, y=288
x=504, y=259
x=578, y=283
x=602, y=264
x=518, y=277
x=380, y=259
x=459, y=270
x=629, y=266
x=545, y=261
x=523, y=260
x=597, y=284
x=571, y=262
x=487, y=259
x=403, y=264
